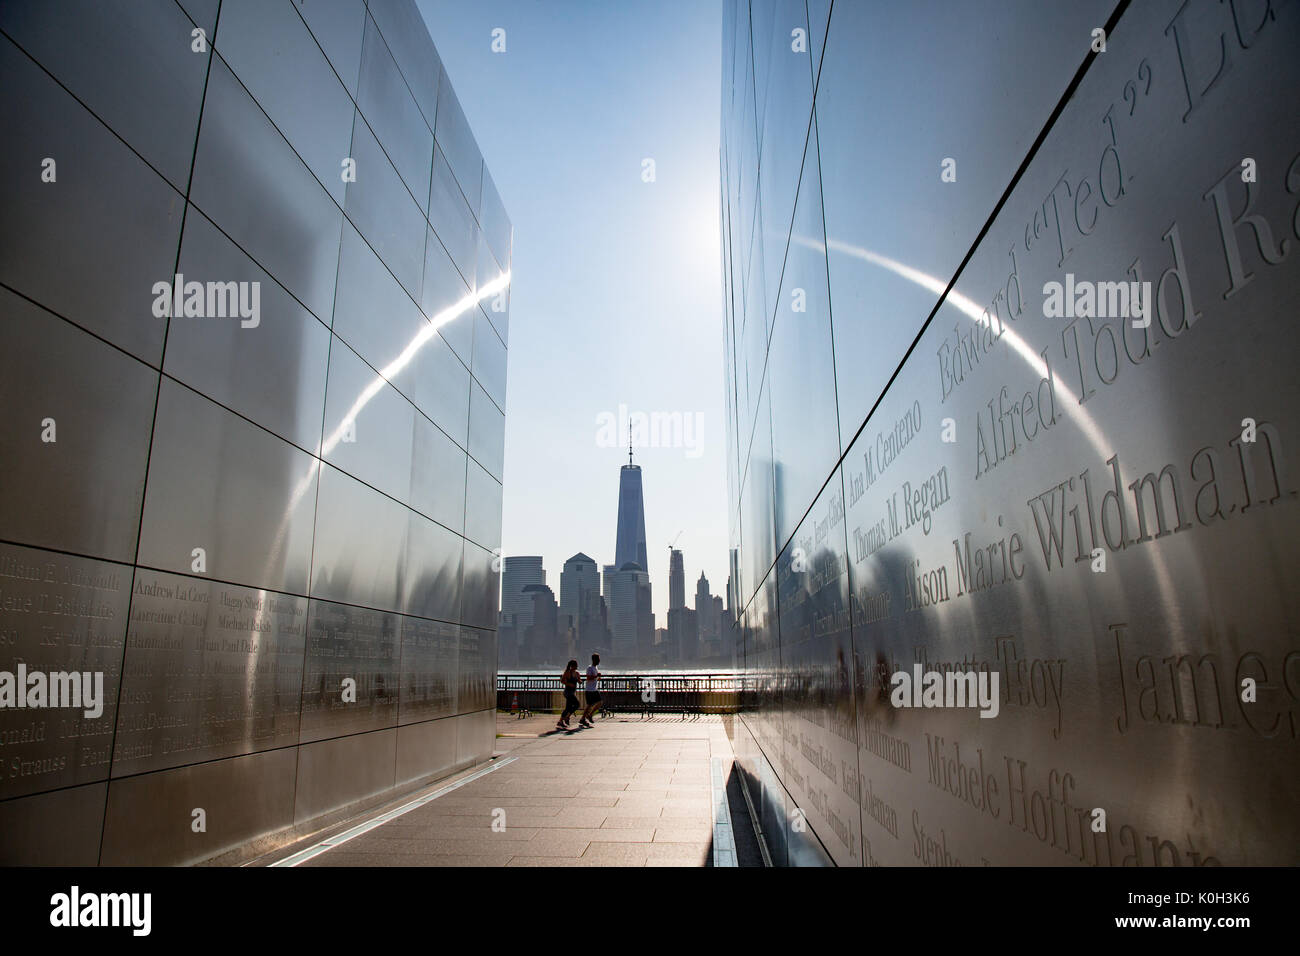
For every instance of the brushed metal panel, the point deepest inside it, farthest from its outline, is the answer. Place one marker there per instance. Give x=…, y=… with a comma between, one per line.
x=241, y=494
x=335, y=773
x=408, y=38
x=82, y=491
x=368, y=425
x=496, y=304
x=801, y=364
x=819, y=766
x=1069, y=535
x=773, y=811
x=150, y=817
x=487, y=431
x=385, y=213
x=452, y=217
x=360, y=544
x=476, y=670
x=1140, y=664
x=489, y=362
x=372, y=312
x=349, y=643
x=61, y=828
x=249, y=181
x=445, y=298
x=338, y=26
x=452, y=132
x=394, y=118
x=273, y=372
x=375, y=316
x=432, y=581
x=85, y=44
x=60, y=615
x=892, y=75
x=212, y=670
x=756, y=503
x=483, y=508
x=783, y=80
x=426, y=749
x=108, y=219
x=429, y=667
x=202, y=12
x=475, y=737
x=494, y=221
x=482, y=587
x=273, y=54
x=438, y=476
x=438, y=383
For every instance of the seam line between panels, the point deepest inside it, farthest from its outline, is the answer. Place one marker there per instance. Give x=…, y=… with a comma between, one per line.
x=250, y=753
x=148, y=462
x=342, y=208
x=988, y=224
x=238, y=584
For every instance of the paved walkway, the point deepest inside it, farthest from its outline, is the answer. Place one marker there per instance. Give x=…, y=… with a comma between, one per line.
x=627, y=792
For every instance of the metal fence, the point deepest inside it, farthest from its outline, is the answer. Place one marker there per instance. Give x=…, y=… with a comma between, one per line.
x=643, y=694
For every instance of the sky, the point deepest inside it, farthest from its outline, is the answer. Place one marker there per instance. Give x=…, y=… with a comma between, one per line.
x=616, y=288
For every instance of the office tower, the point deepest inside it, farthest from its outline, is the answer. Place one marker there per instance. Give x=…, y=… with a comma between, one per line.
x=717, y=619
x=277, y=386
x=541, y=633
x=507, y=643
x=630, y=541
x=607, y=583
x=708, y=628
x=676, y=580
x=683, y=636
x=518, y=573
x=911, y=403
x=631, y=618
x=579, y=580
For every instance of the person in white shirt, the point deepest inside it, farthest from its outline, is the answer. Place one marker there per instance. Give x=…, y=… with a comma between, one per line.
x=593, y=692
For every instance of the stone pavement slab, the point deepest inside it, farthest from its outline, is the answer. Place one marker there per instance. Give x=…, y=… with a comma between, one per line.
x=627, y=792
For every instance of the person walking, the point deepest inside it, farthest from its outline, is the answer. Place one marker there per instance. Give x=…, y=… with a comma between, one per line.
x=593, y=692
x=570, y=681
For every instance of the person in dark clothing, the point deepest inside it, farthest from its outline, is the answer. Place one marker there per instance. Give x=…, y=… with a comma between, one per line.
x=569, y=679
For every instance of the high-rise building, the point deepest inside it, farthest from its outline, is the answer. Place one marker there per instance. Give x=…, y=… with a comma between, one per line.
x=262, y=294
x=955, y=445
x=629, y=545
x=631, y=617
x=708, y=622
x=676, y=580
x=578, y=579
x=518, y=573
x=541, y=635
x=683, y=636
x=607, y=583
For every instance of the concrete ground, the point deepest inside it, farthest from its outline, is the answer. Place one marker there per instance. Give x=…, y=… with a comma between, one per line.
x=627, y=792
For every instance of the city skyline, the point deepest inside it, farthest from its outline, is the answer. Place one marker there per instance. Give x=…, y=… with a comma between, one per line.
x=615, y=288
x=607, y=608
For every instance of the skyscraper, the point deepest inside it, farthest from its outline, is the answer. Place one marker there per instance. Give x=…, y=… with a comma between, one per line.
x=631, y=619
x=578, y=579
x=676, y=580
x=708, y=621
x=630, y=542
x=517, y=573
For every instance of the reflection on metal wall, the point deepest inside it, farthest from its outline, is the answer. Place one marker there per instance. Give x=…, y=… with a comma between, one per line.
x=1085, y=490
x=254, y=280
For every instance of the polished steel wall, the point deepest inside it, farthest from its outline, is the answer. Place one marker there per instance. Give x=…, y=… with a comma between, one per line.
x=338, y=461
x=924, y=467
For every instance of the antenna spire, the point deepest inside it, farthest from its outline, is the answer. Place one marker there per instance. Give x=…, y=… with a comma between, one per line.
x=629, y=442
